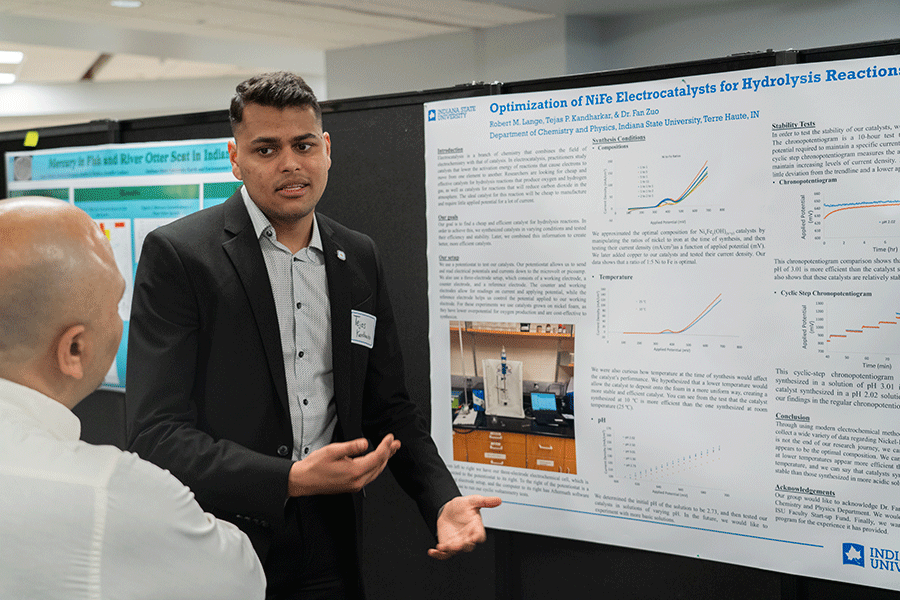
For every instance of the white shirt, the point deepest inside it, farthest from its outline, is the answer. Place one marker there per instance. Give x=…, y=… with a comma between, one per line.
x=92, y=522
x=300, y=289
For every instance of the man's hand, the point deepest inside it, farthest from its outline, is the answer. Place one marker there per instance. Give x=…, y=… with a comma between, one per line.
x=459, y=528
x=340, y=467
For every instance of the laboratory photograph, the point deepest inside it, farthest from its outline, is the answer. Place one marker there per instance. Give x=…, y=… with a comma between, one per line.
x=512, y=394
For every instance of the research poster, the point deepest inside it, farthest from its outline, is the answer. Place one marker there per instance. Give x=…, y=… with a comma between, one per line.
x=129, y=190
x=723, y=250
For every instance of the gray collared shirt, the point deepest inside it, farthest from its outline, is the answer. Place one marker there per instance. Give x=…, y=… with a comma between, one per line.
x=300, y=289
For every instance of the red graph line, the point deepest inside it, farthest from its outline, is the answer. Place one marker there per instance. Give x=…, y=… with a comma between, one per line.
x=688, y=326
x=836, y=335
x=862, y=206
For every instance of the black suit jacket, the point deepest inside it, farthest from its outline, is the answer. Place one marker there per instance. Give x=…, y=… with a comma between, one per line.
x=206, y=395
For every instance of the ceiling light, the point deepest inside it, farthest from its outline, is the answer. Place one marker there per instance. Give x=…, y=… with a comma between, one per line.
x=7, y=78
x=126, y=3
x=11, y=58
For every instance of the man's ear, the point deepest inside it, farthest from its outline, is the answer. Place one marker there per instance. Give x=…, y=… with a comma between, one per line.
x=232, y=156
x=70, y=352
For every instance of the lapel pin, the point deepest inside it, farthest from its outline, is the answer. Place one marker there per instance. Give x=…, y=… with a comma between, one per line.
x=341, y=255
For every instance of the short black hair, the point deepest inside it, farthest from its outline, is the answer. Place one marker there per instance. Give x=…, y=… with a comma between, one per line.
x=276, y=90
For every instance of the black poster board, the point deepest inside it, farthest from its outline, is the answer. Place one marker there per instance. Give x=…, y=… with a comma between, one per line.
x=377, y=185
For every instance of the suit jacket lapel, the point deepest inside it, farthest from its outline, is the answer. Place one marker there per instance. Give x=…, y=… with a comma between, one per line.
x=339, y=296
x=242, y=247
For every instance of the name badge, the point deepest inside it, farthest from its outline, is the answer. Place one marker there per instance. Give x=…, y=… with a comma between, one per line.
x=362, y=328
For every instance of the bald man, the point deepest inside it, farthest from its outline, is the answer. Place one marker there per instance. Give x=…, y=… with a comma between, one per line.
x=80, y=521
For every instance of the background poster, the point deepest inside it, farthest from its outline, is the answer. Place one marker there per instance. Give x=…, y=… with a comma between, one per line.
x=129, y=190
x=716, y=260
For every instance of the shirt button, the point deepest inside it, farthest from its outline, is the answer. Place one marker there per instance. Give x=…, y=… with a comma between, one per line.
x=299, y=304
x=300, y=354
x=283, y=450
x=269, y=233
x=306, y=402
x=306, y=451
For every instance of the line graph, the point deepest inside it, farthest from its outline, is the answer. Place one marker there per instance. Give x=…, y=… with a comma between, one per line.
x=698, y=179
x=703, y=313
x=863, y=329
x=835, y=208
x=679, y=465
x=648, y=452
x=870, y=221
x=857, y=327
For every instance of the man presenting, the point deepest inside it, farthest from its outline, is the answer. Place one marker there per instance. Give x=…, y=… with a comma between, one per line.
x=263, y=354
x=79, y=521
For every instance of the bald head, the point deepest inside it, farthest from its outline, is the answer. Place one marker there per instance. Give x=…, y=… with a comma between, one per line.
x=56, y=267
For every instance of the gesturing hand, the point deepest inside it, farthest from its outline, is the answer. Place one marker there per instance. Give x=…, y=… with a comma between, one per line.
x=340, y=467
x=459, y=528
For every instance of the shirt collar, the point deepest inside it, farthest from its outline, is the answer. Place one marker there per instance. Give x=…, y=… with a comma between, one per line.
x=261, y=223
x=51, y=415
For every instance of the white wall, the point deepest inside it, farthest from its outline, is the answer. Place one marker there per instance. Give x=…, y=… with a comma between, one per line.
x=681, y=35
x=509, y=53
x=568, y=45
x=542, y=49
x=49, y=104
